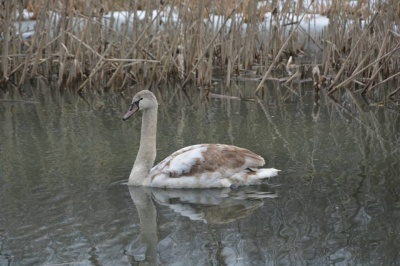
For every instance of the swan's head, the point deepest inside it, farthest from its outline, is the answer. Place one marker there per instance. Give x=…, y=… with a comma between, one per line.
x=143, y=100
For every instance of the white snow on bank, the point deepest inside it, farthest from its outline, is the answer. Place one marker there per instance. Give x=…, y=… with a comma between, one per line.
x=124, y=21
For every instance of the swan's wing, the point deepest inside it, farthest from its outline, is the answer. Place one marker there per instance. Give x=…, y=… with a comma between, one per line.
x=179, y=162
x=204, y=163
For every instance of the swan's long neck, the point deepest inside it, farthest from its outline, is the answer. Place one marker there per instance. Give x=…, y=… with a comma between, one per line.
x=147, y=150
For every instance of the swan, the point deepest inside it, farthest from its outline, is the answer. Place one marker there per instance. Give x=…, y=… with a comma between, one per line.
x=197, y=166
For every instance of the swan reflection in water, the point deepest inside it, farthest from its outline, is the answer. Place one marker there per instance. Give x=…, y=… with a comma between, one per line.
x=210, y=206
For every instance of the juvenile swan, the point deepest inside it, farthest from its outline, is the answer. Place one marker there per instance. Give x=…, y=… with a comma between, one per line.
x=197, y=166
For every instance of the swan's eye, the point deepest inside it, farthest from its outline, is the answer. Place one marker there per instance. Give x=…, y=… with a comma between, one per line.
x=135, y=103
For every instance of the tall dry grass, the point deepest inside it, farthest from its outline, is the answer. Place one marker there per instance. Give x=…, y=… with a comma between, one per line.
x=81, y=44
x=73, y=45
x=362, y=51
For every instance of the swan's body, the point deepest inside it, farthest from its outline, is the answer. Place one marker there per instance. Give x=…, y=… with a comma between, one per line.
x=197, y=166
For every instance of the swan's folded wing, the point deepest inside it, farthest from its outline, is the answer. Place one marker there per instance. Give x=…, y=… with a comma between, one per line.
x=180, y=162
x=216, y=160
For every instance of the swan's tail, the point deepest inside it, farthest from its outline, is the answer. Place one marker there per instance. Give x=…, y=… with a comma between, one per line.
x=266, y=172
x=252, y=176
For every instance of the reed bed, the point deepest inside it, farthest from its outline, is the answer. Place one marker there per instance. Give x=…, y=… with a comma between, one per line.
x=111, y=45
x=364, y=56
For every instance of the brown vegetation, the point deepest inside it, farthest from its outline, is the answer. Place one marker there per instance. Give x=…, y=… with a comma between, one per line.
x=66, y=6
x=81, y=49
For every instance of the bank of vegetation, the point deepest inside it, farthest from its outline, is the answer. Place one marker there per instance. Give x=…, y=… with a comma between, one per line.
x=110, y=45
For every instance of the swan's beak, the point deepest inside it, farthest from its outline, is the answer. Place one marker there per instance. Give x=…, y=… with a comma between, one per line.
x=134, y=107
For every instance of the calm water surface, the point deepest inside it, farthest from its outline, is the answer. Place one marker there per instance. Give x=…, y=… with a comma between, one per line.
x=64, y=161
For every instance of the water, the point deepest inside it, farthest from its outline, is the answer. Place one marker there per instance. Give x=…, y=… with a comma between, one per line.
x=64, y=161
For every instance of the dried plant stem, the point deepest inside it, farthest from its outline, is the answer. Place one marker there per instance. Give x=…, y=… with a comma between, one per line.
x=311, y=38
x=38, y=53
x=99, y=65
x=136, y=43
x=209, y=45
x=390, y=96
x=333, y=86
x=121, y=60
x=385, y=80
x=377, y=66
x=82, y=43
x=353, y=76
x=276, y=59
x=15, y=70
x=229, y=65
x=7, y=21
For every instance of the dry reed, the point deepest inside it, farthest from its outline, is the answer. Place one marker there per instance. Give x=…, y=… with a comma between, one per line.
x=85, y=45
x=363, y=55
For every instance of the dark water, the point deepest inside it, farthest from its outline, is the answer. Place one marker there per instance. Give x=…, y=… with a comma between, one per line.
x=64, y=161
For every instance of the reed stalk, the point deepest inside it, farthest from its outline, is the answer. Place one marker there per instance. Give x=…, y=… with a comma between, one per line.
x=358, y=71
x=207, y=48
x=332, y=87
x=275, y=61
